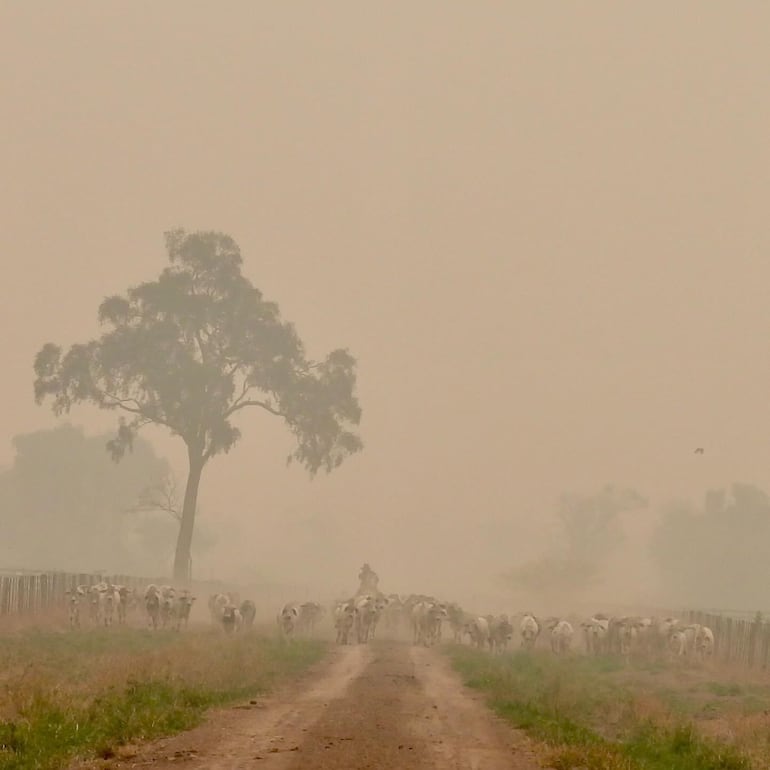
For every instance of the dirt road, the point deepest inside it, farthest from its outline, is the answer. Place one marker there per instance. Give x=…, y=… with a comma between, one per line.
x=385, y=705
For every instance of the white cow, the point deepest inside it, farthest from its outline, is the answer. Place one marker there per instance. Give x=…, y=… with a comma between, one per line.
x=104, y=599
x=427, y=617
x=677, y=643
x=561, y=637
x=217, y=604
x=529, y=629
x=381, y=603
x=704, y=643
x=288, y=618
x=663, y=630
x=691, y=634
x=477, y=629
x=152, y=605
x=181, y=610
x=366, y=612
x=167, y=602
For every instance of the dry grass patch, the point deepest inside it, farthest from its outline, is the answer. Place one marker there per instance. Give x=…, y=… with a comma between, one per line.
x=87, y=693
x=599, y=715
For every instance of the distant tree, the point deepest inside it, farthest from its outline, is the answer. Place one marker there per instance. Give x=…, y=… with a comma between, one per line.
x=63, y=501
x=716, y=556
x=190, y=350
x=588, y=528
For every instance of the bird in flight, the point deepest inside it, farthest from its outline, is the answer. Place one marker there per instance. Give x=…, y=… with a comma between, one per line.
x=699, y=450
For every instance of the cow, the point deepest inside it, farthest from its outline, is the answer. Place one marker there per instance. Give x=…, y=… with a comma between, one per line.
x=500, y=633
x=663, y=628
x=248, y=612
x=182, y=605
x=457, y=621
x=633, y=634
x=427, y=617
x=364, y=619
x=344, y=618
x=561, y=637
x=167, y=603
x=704, y=643
x=677, y=643
x=125, y=596
x=217, y=603
x=646, y=637
x=529, y=629
x=231, y=618
x=691, y=633
x=595, y=634
x=109, y=599
x=380, y=606
x=287, y=620
x=152, y=605
x=477, y=629
x=309, y=614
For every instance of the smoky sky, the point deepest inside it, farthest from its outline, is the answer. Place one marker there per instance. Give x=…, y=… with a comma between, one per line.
x=541, y=228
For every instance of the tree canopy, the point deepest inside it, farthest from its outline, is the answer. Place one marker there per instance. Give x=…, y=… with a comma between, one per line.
x=189, y=351
x=588, y=529
x=715, y=555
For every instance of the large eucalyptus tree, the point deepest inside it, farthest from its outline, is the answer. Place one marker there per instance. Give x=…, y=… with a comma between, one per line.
x=190, y=350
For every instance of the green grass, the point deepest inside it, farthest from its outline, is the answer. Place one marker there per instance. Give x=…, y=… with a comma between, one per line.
x=130, y=686
x=724, y=689
x=588, y=717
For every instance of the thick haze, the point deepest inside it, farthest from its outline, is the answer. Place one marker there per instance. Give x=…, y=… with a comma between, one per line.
x=542, y=229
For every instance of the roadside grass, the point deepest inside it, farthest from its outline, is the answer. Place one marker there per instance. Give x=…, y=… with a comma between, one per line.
x=599, y=715
x=86, y=694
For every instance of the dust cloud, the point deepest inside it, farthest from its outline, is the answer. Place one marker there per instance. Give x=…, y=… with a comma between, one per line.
x=540, y=228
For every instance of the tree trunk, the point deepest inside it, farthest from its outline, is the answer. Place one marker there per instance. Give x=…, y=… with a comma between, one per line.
x=184, y=540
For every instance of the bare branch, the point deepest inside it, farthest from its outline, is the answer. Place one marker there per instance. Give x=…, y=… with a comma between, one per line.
x=162, y=497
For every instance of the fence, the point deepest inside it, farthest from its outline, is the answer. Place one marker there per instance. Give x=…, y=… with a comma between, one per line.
x=29, y=593
x=737, y=642
x=24, y=592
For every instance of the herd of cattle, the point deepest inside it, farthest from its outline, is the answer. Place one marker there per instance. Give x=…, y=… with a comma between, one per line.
x=423, y=619
x=103, y=604
x=167, y=607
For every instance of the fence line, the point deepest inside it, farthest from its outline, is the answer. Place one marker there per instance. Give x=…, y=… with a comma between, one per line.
x=27, y=594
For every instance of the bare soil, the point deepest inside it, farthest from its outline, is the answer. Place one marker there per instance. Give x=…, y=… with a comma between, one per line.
x=385, y=705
